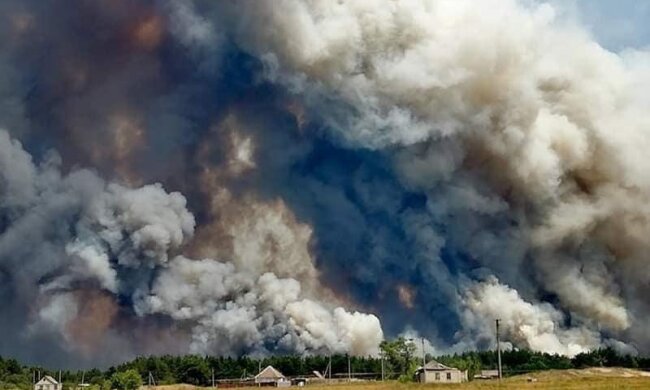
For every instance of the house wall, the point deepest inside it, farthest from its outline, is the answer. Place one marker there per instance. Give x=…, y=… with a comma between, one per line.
x=443, y=376
x=46, y=386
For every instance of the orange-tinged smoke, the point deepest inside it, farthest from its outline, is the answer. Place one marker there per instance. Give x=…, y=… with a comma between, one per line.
x=148, y=33
x=297, y=109
x=96, y=314
x=21, y=23
x=128, y=138
x=406, y=296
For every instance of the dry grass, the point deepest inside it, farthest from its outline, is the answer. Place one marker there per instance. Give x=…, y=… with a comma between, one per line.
x=593, y=378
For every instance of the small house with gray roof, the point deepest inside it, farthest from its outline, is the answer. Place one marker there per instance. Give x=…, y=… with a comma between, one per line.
x=434, y=372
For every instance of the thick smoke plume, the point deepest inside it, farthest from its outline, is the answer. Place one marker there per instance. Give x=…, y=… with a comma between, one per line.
x=526, y=136
x=73, y=238
x=438, y=164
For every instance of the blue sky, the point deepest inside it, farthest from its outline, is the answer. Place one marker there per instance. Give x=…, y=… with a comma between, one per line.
x=616, y=24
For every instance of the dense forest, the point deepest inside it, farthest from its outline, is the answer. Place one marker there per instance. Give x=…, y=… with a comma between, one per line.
x=399, y=362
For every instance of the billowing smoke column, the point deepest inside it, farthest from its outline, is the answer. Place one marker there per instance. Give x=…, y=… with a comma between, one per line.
x=74, y=247
x=438, y=164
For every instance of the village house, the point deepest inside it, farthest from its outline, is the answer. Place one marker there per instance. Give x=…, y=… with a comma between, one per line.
x=47, y=383
x=434, y=372
x=271, y=377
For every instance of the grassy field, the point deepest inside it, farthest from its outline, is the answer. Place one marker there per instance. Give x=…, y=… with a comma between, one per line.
x=593, y=378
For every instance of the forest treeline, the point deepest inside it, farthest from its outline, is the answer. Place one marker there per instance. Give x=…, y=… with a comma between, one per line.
x=400, y=361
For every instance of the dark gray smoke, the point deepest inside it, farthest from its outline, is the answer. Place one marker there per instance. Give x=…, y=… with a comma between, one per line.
x=438, y=164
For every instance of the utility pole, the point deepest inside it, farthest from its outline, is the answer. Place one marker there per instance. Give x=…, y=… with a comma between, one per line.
x=424, y=355
x=499, y=350
x=213, y=377
x=349, y=369
x=382, y=366
x=330, y=367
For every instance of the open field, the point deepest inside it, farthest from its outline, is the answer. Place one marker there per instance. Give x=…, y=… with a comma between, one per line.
x=593, y=378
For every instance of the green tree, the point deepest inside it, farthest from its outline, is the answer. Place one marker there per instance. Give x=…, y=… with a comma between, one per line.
x=126, y=380
x=106, y=385
x=194, y=370
x=399, y=356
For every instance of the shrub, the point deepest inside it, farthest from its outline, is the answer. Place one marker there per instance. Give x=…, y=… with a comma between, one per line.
x=126, y=380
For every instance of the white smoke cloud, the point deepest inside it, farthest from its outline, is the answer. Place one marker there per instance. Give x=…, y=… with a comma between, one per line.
x=91, y=263
x=235, y=311
x=155, y=223
x=55, y=315
x=17, y=184
x=532, y=325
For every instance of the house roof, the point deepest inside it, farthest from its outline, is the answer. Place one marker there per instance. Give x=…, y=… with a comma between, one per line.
x=434, y=365
x=270, y=373
x=47, y=380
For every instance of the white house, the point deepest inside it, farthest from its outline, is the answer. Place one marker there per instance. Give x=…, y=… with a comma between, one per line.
x=434, y=372
x=47, y=383
x=271, y=376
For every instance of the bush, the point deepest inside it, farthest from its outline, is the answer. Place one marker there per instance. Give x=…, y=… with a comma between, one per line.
x=107, y=385
x=126, y=380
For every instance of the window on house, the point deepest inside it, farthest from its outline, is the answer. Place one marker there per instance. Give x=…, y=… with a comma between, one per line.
x=449, y=376
x=437, y=376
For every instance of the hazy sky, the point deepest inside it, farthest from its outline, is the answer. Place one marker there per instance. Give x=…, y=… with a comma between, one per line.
x=616, y=24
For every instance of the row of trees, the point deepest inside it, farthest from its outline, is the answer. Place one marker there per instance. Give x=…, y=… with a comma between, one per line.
x=14, y=376
x=398, y=361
